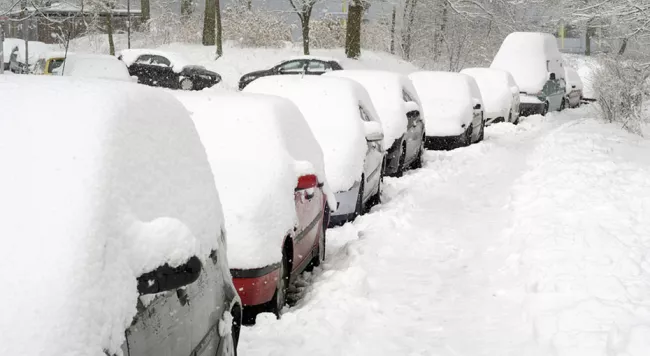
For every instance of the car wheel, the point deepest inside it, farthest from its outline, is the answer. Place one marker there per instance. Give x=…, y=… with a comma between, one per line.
x=359, y=210
x=187, y=84
x=418, y=160
x=481, y=133
x=280, y=296
x=401, y=162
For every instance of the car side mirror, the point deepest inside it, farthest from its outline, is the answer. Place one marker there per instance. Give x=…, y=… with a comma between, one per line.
x=477, y=107
x=166, y=278
x=307, y=181
x=374, y=131
x=552, y=76
x=411, y=106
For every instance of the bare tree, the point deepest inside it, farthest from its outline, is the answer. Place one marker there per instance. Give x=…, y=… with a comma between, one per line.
x=303, y=9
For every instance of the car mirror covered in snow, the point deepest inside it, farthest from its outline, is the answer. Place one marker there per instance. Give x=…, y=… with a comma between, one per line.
x=374, y=131
x=165, y=278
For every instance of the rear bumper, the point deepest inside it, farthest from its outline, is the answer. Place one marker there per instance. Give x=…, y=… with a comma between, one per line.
x=443, y=142
x=526, y=109
x=256, y=286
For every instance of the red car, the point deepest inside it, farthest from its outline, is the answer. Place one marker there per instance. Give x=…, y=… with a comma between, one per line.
x=270, y=173
x=264, y=289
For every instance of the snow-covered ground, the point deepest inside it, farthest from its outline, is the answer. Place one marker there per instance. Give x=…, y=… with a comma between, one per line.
x=533, y=242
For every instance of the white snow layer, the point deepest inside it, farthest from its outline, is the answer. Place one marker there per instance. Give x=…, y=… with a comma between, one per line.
x=331, y=107
x=530, y=57
x=385, y=89
x=534, y=242
x=447, y=99
x=497, y=90
x=104, y=181
x=258, y=147
x=177, y=60
x=95, y=66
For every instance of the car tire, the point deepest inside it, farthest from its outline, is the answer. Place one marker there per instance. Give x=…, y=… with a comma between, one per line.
x=418, y=160
x=481, y=134
x=359, y=207
x=280, y=296
x=187, y=84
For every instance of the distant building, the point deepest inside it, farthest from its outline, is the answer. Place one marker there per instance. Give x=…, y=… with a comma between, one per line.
x=57, y=19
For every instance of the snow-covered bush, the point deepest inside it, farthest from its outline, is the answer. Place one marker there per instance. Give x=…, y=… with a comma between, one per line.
x=255, y=27
x=622, y=88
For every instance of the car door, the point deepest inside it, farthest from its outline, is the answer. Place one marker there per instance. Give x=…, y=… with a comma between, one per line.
x=309, y=205
x=374, y=159
x=297, y=66
x=318, y=67
x=183, y=321
x=415, y=128
x=162, y=73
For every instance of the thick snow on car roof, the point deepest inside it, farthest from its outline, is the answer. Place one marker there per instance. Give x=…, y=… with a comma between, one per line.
x=36, y=49
x=256, y=176
x=447, y=99
x=178, y=61
x=572, y=78
x=525, y=56
x=97, y=66
x=497, y=90
x=331, y=107
x=108, y=180
x=385, y=89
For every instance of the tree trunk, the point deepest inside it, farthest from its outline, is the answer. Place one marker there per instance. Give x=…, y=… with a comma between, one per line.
x=392, y=31
x=621, y=50
x=217, y=5
x=109, y=30
x=353, y=31
x=439, y=35
x=187, y=8
x=208, y=23
x=588, y=35
x=249, y=5
x=145, y=11
x=304, y=22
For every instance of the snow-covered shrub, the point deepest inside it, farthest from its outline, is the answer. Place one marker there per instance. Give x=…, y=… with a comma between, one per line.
x=255, y=27
x=622, y=88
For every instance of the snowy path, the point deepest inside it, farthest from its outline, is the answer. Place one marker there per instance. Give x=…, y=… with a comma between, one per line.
x=534, y=242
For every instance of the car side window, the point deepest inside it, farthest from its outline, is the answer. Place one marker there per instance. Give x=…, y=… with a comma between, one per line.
x=153, y=60
x=364, y=114
x=319, y=66
x=292, y=66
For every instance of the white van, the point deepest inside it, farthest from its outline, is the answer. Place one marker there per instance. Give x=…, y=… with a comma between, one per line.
x=535, y=62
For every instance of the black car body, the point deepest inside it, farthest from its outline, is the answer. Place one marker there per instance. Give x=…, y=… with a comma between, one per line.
x=158, y=69
x=300, y=65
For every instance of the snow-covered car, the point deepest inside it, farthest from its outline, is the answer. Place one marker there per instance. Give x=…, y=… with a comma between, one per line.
x=309, y=65
x=574, y=87
x=99, y=66
x=167, y=70
x=14, y=51
x=535, y=62
x=398, y=107
x=274, y=191
x=50, y=61
x=453, y=108
x=116, y=234
x=500, y=94
x=343, y=120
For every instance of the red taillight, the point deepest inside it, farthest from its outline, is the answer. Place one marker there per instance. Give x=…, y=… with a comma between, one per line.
x=307, y=181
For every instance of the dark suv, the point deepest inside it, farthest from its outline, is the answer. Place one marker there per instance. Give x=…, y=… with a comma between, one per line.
x=300, y=65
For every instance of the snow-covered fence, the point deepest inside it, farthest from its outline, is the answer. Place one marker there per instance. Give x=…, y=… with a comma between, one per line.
x=622, y=90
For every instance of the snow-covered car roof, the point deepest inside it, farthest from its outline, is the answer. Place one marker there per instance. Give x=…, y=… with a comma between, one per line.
x=331, y=107
x=36, y=49
x=525, y=56
x=178, y=61
x=572, y=78
x=385, y=89
x=107, y=181
x=95, y=66
x=257, y=175
x=447, y=101
x=497, y=90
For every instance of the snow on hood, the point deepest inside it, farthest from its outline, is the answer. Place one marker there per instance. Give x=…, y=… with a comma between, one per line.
x=385, y=89
x=496, y=90
x=258, y=147
x=95, y=66
x=447, y=101
x=525, y=56
x=108, y=180
x=331, y=108
x=178, y=61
